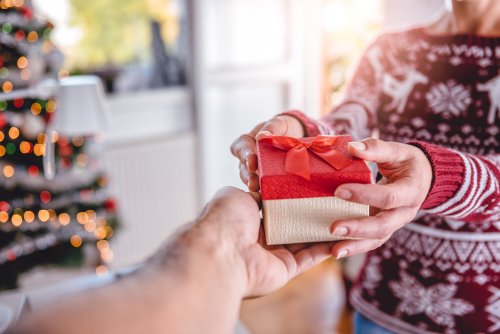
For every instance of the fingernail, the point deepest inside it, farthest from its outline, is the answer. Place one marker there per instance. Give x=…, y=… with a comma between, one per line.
x=341, y=231
x=264, y=133
x=343, y=194
x=247, y=164
x=358, y=145
x=342, y=254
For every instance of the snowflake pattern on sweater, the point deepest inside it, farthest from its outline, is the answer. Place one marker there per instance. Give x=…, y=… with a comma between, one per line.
x=441, y=272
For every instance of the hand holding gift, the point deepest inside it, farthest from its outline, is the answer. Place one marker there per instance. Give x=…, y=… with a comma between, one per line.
x=407, y=179
x=245, y=149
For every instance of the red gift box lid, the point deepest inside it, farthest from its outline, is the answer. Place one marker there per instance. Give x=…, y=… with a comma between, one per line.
x=276, y=183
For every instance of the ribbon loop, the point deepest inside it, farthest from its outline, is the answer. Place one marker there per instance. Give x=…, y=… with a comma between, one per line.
x=297, y=157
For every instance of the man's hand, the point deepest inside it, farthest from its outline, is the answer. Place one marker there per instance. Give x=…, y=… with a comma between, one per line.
x=232, y=219
x=244, y=148
x=407, y=178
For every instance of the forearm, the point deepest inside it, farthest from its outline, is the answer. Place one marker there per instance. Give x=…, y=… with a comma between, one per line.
x=186, y=288
x=464, y=186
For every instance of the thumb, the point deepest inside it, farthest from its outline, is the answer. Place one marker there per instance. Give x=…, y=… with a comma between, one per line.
x=277, y=126
x=378, y=151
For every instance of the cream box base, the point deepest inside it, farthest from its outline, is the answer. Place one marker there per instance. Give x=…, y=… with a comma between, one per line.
x=290, y=221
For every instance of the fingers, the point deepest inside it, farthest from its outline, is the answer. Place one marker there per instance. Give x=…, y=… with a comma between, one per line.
x=380, y=227
x=250, y=179
x=244, y=148
x=277, y=126
x=379, y=151
x=382, y=196
x=354, y=247
x=312, y=256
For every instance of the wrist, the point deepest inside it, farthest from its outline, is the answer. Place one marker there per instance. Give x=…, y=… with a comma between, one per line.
x=309, y=128
x=206, y=254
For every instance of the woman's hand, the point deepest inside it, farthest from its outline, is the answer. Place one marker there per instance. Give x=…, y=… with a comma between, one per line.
x=244, y=148
x=407, y=178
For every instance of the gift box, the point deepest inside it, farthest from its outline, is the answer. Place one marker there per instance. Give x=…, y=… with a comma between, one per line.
x=298, y=178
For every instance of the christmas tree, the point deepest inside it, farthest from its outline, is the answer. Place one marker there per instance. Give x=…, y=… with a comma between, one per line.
x=43, y=222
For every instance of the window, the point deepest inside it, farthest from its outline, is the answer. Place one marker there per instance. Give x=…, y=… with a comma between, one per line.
x=132, y=45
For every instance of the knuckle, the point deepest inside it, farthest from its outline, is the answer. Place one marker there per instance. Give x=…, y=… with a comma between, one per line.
x=385, y=230
x=390, y=200
x=372, y=143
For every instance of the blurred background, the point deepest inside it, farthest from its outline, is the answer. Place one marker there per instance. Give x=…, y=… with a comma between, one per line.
x=183, y=79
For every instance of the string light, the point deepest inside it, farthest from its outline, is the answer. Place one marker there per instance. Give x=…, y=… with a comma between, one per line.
x=13, y=132
x=2, y=136
x=25, y=74
x=41, y=138
x=107, y=255
x=91, y=214
x=55, y=136
x=90, y=227
x=6, y=27
x=33, y=171
x=78, y=141
x=52, y=214
x=7, y=87
x=100, y=233
x=29, y=216
x=25, y=147
x=39, y=149
x=16, y=220
x=43, y=215
x=45, y=196
x=101, y=271
x=11, y=148
x=51, y=106
x=2, y=151
x=22, y=62
x=4, y=217
x=36, y=108
x=76, y=241
x=64, y=219
x=8, y=171
x=102, y=245
x=82, y=217
x=32, y=37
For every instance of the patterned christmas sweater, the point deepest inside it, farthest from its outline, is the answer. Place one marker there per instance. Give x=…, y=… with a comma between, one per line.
x=441, y=272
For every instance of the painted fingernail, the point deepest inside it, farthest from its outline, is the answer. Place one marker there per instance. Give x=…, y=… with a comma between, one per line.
x=343, y=194
x=342, y=254
x=341, y=231
x=358, y=145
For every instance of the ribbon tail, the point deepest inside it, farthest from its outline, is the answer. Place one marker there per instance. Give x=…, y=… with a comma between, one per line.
x=297, y=162
x=335, y=159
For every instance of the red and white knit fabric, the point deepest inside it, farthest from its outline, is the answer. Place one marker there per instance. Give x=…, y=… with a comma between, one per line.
x=440, y=273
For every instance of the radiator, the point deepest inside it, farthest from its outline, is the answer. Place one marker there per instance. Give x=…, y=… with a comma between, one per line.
x=155, y=184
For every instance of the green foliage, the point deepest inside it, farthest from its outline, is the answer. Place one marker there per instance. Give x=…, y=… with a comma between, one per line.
x=113, y=31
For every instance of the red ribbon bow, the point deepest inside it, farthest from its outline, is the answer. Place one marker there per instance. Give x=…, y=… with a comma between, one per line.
x=297, y=158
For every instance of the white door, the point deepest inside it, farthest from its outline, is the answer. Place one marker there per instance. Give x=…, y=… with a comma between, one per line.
x=252, y=60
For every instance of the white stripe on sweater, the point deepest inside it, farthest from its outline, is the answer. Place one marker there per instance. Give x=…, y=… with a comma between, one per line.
x=459, y=196
x=487, y=177
x=479, y=183
x=481, y=196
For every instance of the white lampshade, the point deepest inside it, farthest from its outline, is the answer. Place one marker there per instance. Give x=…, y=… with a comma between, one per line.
x=81, y=107
x=81, y=111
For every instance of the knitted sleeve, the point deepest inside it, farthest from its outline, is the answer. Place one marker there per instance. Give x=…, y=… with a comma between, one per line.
x=357, y=113
x=464, y=187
